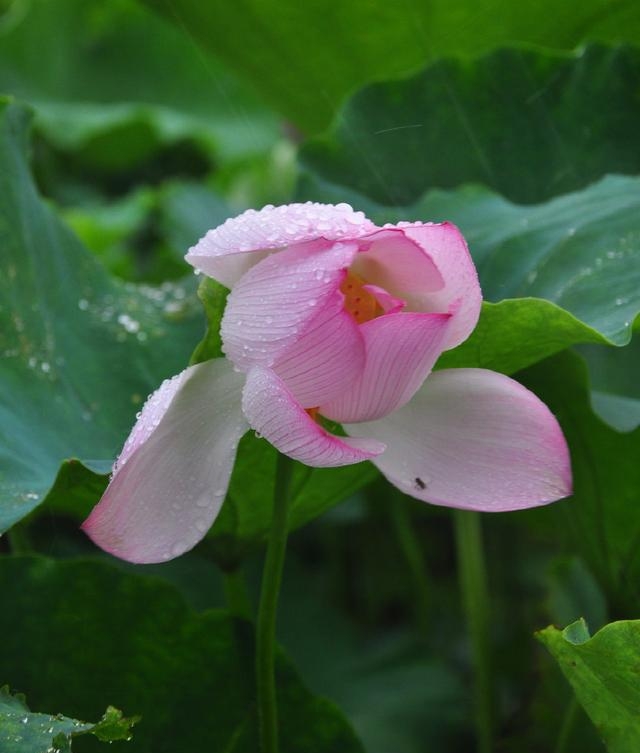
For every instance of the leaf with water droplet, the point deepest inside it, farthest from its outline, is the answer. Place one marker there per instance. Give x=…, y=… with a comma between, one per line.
x=24, y=731
x=158, y=656
x=63, y=350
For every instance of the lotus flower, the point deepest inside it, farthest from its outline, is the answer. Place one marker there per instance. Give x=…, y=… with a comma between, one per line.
x=331, y=317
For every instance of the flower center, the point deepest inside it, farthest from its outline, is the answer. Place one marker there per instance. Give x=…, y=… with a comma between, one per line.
x=360, y=303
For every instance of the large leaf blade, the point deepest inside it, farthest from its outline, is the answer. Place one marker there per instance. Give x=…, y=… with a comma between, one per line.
x=189, y=674
x=79, y=349
x=118, y=82
x=521, y=122
x=603, y=672
x=305, y=58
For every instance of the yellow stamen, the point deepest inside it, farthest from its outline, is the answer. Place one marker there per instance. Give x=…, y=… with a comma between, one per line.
x=360, y=303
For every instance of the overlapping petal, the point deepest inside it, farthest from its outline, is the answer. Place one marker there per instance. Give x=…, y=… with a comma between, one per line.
x=430, y=267
x=474, y=439
x=274, y=302
x=393, y=261
x=400, y=351
x=326, y=359
x=387, y=302
x=461, y=294
x=172, y=476
x=228, y=251
x=273, y=412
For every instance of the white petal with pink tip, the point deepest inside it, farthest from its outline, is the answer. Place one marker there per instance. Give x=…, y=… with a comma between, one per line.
x=172, y=478
x=473, y=439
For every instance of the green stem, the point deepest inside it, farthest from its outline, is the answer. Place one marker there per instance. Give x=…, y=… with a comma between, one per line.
x=568, y=723
x=475, y=597
x=266, y=626
x=408, y=543
x=236, y=594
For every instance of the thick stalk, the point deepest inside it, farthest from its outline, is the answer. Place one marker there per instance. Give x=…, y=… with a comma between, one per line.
x=266, y=625
x=475, y=596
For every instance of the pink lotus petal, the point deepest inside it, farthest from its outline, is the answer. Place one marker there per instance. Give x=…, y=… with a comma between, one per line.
x=388, y=303
x=473, y=439
x=275, y=301
x=326, y=359
x=396, y=263
x=400, y=352
x=272, y=411
x=228, y=251
x=172, y=477
x=461, y=294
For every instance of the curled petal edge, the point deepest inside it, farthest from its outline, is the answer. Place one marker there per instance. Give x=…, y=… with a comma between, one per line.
x=228, y=251
x=164, y=496
x=273, y=412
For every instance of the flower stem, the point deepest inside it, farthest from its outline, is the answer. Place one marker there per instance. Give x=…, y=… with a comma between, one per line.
x=475, y=597
x=266, y=625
